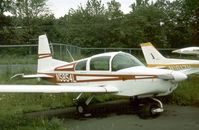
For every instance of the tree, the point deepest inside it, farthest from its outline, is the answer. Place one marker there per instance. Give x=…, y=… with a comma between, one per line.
x=168, y=24
x=114, y=11
x=27, y=15
x=30, y=8
x=86, y=26
x=143, y=24
x=115, y=16
x=190, y=15
x=5, y=22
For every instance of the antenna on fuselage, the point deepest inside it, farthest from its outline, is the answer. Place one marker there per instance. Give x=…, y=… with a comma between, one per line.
x=70, y=55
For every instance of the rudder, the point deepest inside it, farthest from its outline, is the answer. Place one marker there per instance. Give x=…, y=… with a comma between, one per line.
x=151, y=54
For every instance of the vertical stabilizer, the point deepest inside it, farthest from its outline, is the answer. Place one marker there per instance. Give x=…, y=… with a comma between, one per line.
x=45, y=60
x=44, y=54
x=151, y=54
x=44, y=48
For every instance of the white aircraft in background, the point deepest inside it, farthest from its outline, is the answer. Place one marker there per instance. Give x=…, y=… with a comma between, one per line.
x=188, y=50
x=155, y=59
x=116, y=73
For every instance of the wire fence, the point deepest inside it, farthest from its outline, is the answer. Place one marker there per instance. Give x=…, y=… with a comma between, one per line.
x=134, y=51
x=61, y=51
x=58, y=50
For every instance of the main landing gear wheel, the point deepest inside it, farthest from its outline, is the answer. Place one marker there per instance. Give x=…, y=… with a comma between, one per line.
x=151, y=108
x=81, y=108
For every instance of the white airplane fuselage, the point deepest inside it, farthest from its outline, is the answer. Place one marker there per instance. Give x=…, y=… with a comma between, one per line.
x=135, y=81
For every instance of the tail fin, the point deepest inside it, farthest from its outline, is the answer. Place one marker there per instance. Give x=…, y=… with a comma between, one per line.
x=151, y=54
x=45, y=60
x=43, y=47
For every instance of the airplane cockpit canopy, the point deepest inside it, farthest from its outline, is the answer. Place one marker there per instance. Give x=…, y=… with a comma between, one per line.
x=124, y=60
x=108, y=62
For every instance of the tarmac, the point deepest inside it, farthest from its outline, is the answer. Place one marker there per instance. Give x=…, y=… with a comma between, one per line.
x=118, y=115
x=174, y=118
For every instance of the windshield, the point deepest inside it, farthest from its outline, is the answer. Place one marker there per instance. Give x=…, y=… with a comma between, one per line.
x=124, y=60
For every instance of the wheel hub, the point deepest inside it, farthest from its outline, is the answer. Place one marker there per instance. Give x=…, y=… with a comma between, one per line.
x=157, y=110
x=80, y=109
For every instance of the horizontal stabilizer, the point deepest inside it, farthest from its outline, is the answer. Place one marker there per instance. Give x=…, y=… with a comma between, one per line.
x=18, y=76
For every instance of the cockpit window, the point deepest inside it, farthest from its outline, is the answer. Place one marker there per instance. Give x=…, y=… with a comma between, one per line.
x=122, y=61
x=100, y=63
x=81, y=65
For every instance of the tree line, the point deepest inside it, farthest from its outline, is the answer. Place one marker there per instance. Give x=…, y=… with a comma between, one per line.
x=165, y=23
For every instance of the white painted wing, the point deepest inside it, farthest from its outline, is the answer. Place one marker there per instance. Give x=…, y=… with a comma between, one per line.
x=55, y=89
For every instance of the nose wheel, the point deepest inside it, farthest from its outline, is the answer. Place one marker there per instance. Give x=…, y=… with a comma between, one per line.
x=150, y=108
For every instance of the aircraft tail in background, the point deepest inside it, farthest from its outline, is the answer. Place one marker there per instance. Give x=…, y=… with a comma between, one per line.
x=155, y=59
x=151, y=54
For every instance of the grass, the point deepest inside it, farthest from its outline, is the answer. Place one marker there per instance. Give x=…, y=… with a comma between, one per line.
x=20, y=122
x=18, y=59
x=13, y=106
x=187, y=92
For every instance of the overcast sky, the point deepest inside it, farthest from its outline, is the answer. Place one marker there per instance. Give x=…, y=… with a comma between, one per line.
x=61, y=7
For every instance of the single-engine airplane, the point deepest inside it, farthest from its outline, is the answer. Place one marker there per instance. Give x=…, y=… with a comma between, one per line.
x=155, y=59
x=116, y=73
x=188, y=50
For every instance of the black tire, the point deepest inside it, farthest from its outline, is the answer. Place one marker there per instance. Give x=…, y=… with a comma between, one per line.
x=146, y=111
x=135, y=104
x=81, y=108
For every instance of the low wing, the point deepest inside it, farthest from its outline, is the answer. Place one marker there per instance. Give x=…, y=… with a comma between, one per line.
x=55, y=89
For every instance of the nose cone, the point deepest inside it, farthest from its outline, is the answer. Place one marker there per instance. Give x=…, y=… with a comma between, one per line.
x=179, y=76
